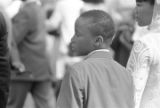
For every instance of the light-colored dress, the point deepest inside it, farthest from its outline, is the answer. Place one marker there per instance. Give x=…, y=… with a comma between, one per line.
x=144, y=64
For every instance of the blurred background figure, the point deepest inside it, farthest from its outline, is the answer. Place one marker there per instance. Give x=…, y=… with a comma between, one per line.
x=3, y=9
x=122, y=43
x=144, y=61
x=63, y=19
x=30, y=67
x=4, y=59
x=120, y=10
x=61, y=24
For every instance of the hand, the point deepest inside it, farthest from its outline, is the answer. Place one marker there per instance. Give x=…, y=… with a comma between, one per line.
x=126, y=42
x=20, y=66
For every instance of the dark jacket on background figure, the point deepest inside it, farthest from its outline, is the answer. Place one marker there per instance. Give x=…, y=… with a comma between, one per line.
x=4, y=63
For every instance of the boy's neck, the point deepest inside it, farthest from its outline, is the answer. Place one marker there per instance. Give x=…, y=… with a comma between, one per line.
x=104, y=46
x=103, y=50
x=100, y=49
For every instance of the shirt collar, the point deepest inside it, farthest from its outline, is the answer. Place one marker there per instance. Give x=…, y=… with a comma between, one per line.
x=104, y=50
x=101, y=53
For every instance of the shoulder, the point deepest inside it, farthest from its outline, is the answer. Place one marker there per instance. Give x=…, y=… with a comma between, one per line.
x=75, y=73
x=79, y=67
x=144, y=42
x=147, y=42
x=148, y=38
x=139, y=45
x=30, y=7
x=141, y=52
x=24, y=11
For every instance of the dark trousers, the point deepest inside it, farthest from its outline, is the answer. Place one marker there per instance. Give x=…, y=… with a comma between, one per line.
x=41, y=93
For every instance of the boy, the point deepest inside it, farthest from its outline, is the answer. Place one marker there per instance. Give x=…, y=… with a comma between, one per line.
x=98, y=81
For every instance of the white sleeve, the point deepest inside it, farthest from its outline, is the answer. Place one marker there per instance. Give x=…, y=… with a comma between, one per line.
x=139, y=65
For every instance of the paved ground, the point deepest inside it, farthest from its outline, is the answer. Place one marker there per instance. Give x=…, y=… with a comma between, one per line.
x=29, y=102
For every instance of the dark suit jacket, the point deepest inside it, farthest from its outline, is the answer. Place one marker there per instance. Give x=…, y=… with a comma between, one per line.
x=4, y=62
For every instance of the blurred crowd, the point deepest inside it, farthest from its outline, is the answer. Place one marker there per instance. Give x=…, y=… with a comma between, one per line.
x=39, y=43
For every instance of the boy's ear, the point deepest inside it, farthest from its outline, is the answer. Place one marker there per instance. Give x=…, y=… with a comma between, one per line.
x=99, y=40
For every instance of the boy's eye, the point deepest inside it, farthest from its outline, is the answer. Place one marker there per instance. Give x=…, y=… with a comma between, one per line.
x=77, y=35
x=139, y=4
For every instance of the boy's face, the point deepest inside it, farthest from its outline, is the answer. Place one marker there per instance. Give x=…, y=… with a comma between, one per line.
x=144, y=13
x=82, y=42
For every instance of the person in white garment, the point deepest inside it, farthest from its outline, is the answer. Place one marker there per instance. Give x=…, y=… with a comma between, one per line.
x=65, y=14
x=144, y=61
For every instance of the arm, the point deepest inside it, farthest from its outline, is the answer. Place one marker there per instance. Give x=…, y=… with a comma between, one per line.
x=15, y=57
x=20, y=26
x=70, y=93
x=126, y=42
x=20, y=30
x=139, y=65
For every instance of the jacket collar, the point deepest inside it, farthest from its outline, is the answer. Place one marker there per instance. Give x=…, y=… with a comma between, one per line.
x=102, y=53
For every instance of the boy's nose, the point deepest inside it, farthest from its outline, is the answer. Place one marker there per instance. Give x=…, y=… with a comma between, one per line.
x=135, y=12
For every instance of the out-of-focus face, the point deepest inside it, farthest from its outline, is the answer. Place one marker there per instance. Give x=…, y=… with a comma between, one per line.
x=82, y=41
x=144, y=13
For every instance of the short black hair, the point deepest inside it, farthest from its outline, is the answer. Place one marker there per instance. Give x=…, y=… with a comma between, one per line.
x=152, y=2
x=100, y=23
